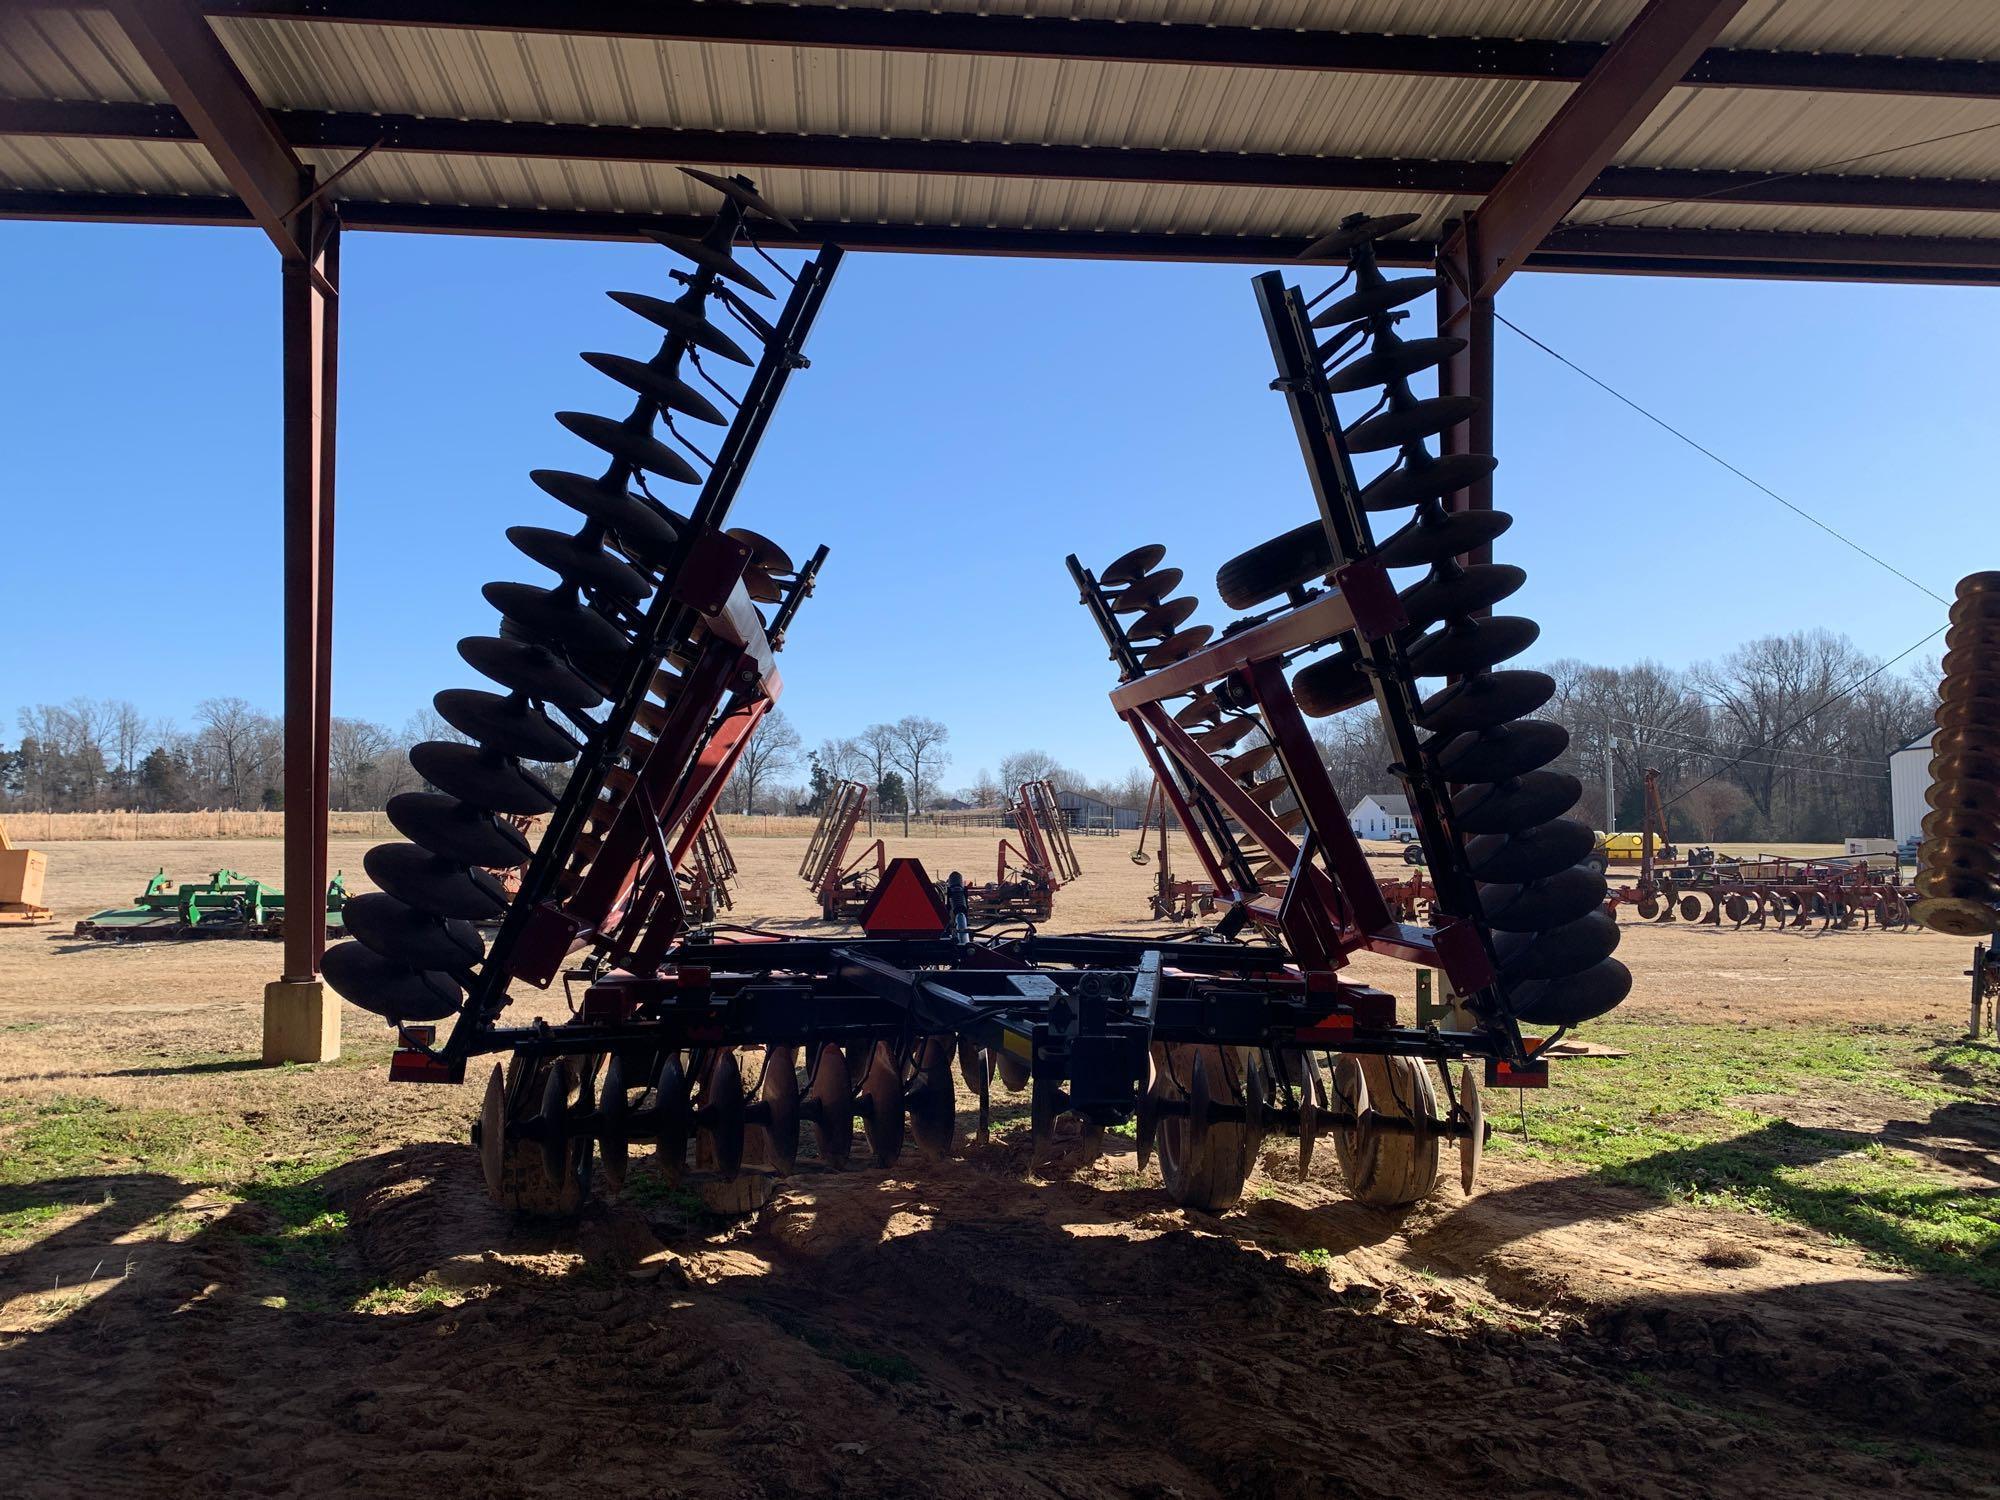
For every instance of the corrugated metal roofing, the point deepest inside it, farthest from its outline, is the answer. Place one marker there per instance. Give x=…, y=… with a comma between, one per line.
x=469, y=74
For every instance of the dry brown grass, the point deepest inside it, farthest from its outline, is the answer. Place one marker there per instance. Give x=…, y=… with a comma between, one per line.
x=738, y=826
x=56, y=828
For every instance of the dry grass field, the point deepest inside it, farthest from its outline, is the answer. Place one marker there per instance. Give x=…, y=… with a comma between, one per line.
x=1756, y=1252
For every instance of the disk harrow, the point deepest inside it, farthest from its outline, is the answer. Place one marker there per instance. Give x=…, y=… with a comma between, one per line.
x=708, y=887
x=736, y=1053
x=1027, y=876
x=1958, y=865
x=646, y=661
x=843, y=884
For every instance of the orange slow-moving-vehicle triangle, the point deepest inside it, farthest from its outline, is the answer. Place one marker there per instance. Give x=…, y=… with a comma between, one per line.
x=905, y=904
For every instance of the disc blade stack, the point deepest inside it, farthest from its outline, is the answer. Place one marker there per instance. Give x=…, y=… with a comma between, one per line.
x=1474, y=730
x=585, y=663
x=1958, y=865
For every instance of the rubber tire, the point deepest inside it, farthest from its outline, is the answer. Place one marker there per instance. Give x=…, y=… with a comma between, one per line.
x=1391, y=1170
x=1214, y=1182
x=1271, y=568
x=1596, y=863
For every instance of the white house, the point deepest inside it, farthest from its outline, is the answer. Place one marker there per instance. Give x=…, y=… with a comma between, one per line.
x=1382, y=815
x=1909, y=781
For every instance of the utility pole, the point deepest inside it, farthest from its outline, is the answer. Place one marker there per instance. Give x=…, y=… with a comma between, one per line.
x=1610, y=791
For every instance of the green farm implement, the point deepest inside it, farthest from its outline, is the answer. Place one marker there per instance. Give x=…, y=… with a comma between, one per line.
x=224, y=906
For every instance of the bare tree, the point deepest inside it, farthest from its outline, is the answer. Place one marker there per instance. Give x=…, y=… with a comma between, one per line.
x=1031, y=765
x=919, y=754
x=843, y=759
x=773, y=748
x=876, y=745
x=235, y=741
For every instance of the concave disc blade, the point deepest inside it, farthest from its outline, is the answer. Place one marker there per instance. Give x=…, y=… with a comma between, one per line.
x=683, y=323
x=1392, y=359
x=639, y=449
x=1133, y=566
x=661, y=387
x=744, y=194
x=1560, y=950
x=1370, y=300
x=1573, y=999
x=481, y=777
x=1226, y=734
x=1531, y=854
x=640, y=526
x=1430, y=479
x=456, y=831
x=396, y=930
x=719, y=261
x=1410, y=424
x=1484, y=701
x=1353, y=232
x=423, y=880
x=1510, y=750
x=1144, y=593
x=580, y=561
x=1176, y=647
x=555, y=616
x=765, y=555
x=1466, y=592
x=523, y=667
x=1432, y=539
x=391, y=990
x=508, y=725
x=1516, y=804
x=1472, y=646
x=1562, y=897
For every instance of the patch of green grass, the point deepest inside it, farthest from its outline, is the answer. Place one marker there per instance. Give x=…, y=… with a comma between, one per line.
x=1672, y=1120
x=650, y=1190
x=21, y=1223
x=80, y=1136
x=420, y=1297
x=1318, y=1258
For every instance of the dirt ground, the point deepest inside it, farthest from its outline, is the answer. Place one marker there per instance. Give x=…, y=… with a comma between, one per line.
x=221, y=1279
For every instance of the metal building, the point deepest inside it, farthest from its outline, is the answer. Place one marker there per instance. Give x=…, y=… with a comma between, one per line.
x=1909, y=781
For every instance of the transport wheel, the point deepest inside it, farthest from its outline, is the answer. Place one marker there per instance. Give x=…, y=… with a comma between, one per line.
x=1203, y=1163
x=1385, y=1168
x=1270, y=568
x=518, y=1173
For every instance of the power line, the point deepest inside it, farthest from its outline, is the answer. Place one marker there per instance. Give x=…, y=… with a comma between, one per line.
x=1853, y=686
x=1739, y=187
x=1724, y=744
x=1712, y=455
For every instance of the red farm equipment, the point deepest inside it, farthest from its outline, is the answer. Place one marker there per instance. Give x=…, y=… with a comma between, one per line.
x=1766, y=891
x=1027, y=876
x=842, y=884
x=718, y=1048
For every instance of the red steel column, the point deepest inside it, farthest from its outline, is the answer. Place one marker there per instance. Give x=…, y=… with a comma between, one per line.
x=1469, y=372
x=306, y=324
x=329, y=371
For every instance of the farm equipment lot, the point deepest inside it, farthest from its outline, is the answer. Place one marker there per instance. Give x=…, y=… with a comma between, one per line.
x=1758, y=1253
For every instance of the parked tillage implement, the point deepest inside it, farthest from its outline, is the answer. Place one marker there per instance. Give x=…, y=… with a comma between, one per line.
x=723, y=1047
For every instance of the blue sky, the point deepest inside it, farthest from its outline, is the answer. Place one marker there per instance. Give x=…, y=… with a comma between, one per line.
x=965, y=424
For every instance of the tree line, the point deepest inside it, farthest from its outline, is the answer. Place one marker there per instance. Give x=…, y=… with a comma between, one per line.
x=1768, y=743
x=94, y=755
x=1774, y=742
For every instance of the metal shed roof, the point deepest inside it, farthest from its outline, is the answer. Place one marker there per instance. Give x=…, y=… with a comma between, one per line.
x=1818, y=137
